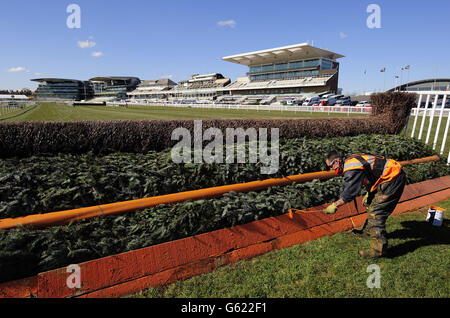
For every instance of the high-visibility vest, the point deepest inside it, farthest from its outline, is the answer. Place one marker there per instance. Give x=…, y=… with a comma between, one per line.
x=378, y=169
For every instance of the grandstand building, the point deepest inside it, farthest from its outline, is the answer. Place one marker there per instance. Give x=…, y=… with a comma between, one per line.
x=152, y=89
x=206, y=87
x=110, y=87
x=295, y=70
x=63, y=89
x=434, y=84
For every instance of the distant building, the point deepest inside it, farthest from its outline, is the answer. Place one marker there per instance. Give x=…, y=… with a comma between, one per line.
x=63, y=89
x=434, y=84
x=8, y=98
x=153, y=89
x=292, y=70
x=114, y=86
x=200, y=86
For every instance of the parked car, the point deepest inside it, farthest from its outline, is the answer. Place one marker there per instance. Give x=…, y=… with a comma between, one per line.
x=298, y=102
x=311, y=101
x=344, y=101
x=328, y=101
x=290, y=102
x=364, y=104
x=327, y=95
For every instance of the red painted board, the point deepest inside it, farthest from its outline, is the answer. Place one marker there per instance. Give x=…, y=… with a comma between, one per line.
x=118, y=269
x=22, y=288
x=210, y=264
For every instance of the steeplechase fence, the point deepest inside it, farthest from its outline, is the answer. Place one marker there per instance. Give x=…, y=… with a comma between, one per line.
x=430, y=121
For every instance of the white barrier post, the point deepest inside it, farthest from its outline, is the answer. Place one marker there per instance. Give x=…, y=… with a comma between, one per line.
x=424, y=117
x=416, y=115
x=444, y=140
x=431, y=119
x=440, y=121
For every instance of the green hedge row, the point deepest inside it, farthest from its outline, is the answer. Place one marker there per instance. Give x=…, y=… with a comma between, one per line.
x=61, y=182
x=31, y=138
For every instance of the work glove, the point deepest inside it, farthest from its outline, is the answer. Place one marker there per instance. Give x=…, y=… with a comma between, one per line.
x=332, y=208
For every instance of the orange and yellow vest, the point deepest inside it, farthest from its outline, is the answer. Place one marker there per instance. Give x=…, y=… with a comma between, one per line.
x=378, y=169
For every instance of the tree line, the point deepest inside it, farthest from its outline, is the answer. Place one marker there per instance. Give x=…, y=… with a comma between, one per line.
x=25, y=91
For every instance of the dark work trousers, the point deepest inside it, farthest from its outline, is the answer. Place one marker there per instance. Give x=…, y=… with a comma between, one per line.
x=383, y=204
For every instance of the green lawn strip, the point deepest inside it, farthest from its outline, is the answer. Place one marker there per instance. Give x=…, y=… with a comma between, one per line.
x=418, y=266
x=62, y=112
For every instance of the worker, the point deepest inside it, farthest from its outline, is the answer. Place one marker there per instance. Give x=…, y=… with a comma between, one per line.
x=385, y=181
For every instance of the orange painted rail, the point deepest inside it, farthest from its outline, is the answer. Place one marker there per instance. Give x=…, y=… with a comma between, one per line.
x=66, y=217
x=165, y=263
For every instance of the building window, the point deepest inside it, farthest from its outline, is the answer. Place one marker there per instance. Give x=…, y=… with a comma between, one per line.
x=311, y=63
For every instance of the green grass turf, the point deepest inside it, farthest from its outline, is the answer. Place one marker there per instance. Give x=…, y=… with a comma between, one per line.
x=418, y=266
x=62, y=112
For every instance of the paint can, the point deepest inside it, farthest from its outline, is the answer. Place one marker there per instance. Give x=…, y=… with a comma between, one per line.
x=435, y=215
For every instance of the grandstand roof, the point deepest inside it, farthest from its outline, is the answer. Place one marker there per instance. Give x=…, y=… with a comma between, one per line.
x=115, y=78
x=56, y=80
x=279, y=54
x=163, y=81
x=426, y=84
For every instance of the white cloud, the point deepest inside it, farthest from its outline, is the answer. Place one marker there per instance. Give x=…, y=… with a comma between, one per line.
x=342, y=35
x=86, y=44
x=167, y=76
x=230, y=23
x=97, y=54
x=38, y=74
x=17, y=69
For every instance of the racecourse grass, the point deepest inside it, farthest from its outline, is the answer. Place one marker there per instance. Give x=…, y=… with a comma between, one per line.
x=63, y=112
x=417, y=266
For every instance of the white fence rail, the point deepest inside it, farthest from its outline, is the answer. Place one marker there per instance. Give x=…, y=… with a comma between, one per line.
x=284, y=108
x=435, y=110
x=7, y=107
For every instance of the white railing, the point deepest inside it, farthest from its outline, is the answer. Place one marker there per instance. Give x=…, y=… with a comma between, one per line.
x=434, y=109
x=283, y=108
x=7, y=107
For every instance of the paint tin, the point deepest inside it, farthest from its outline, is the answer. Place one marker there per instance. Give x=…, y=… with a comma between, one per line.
x=435, y=215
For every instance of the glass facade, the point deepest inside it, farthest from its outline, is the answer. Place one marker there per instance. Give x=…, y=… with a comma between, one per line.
x=327, y=64
x=64, y=90
x=290, y=70
x=283, y=75
x=114, y=87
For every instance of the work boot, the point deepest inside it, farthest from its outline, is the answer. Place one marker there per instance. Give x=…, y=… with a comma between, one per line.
x=377, y=249
x=370, y=253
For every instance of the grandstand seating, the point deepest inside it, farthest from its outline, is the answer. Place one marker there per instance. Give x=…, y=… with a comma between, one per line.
x=308, y=81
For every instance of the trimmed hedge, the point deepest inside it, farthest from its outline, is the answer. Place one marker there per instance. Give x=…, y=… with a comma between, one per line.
x=61, y=182
x=390, y=112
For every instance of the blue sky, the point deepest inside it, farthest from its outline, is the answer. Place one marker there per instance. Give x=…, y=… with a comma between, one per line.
x=178, y=38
